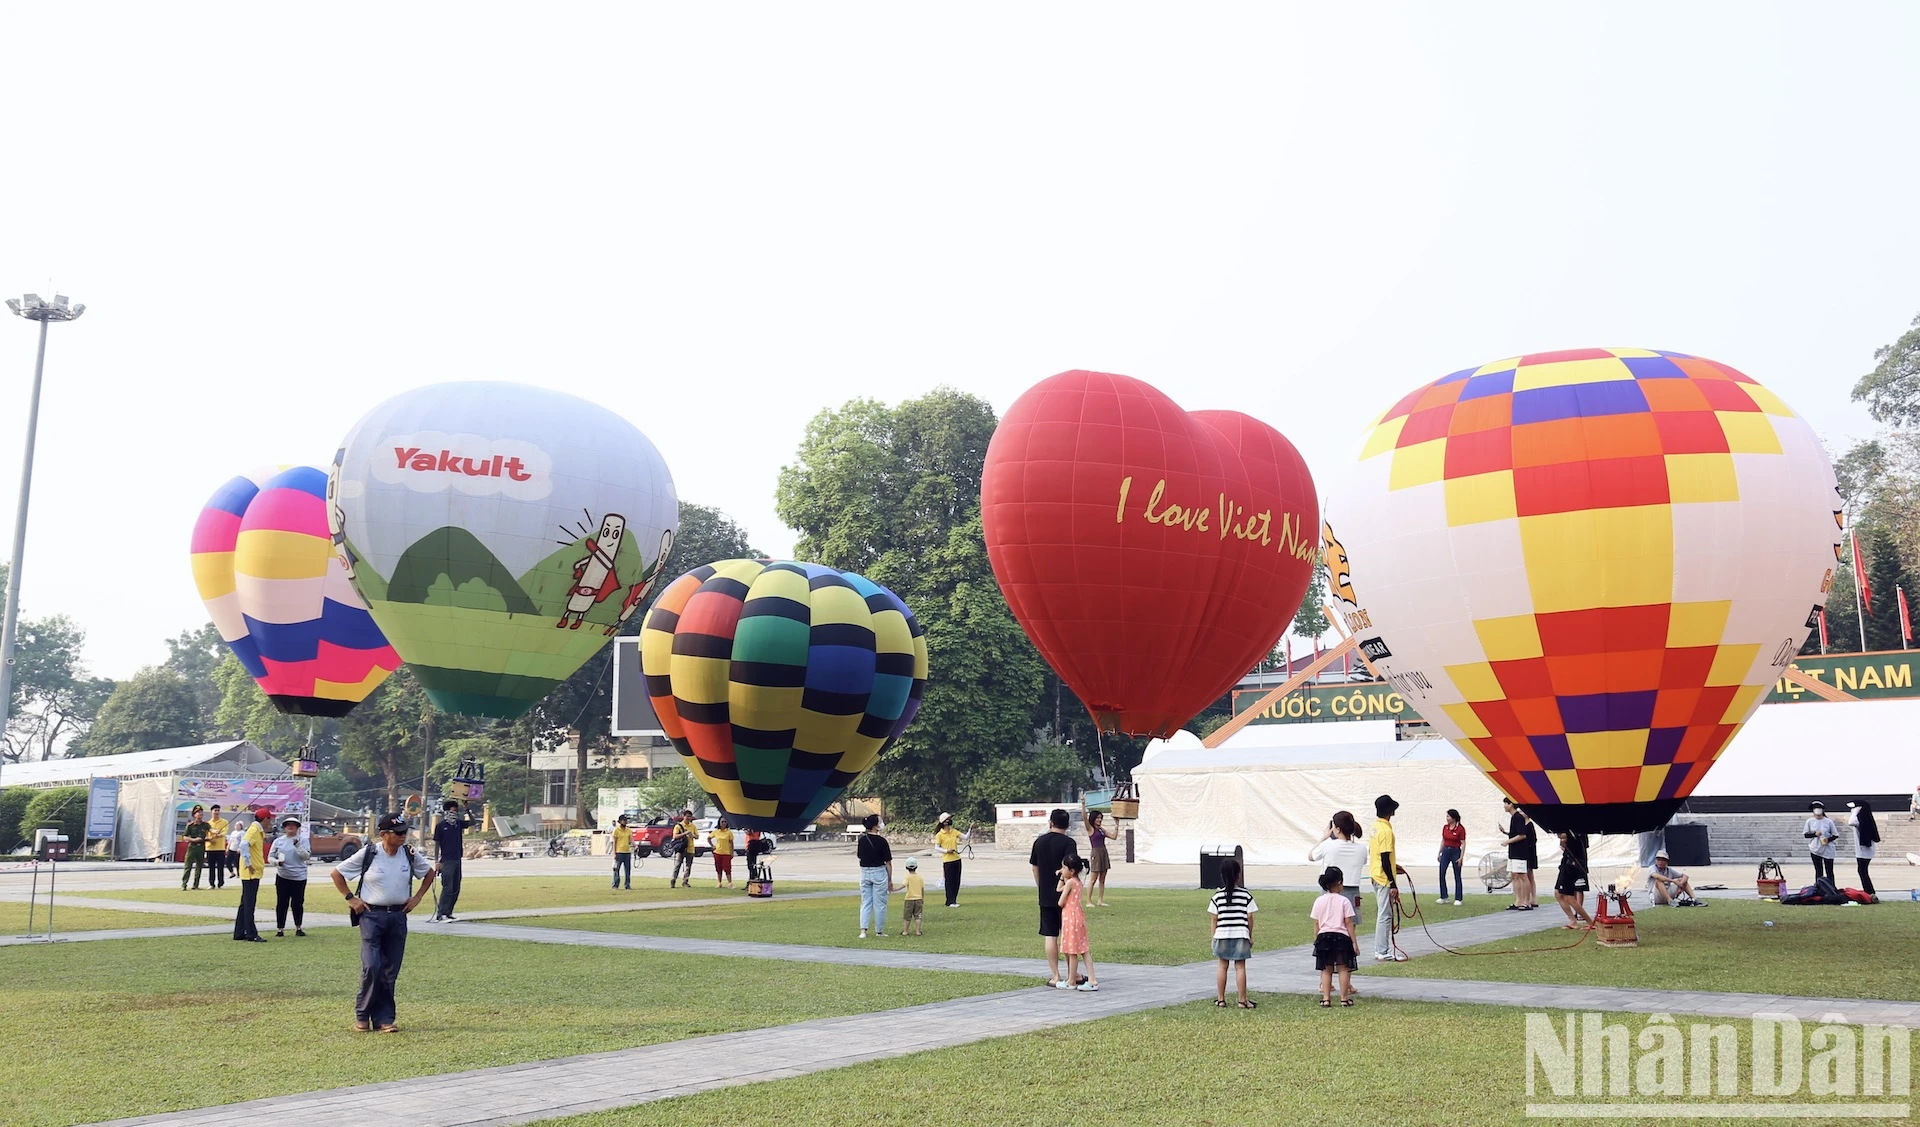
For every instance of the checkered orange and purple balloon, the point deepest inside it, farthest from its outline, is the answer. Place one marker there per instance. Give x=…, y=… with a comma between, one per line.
x=1586, y=569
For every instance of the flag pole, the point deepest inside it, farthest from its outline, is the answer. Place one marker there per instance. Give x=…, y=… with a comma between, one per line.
x=1859, y=613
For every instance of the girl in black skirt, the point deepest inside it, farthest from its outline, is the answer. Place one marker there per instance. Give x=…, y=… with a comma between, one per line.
x=1570, y=887
x=1334, y=942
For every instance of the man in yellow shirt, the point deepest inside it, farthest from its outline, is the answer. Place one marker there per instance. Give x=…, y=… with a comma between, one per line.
x=253, y=866
x=217, y=829
x=914, y=914
x=722, y=854
x=1382, y=867
x=947, y=840
x=622, y=852
x=683, y=841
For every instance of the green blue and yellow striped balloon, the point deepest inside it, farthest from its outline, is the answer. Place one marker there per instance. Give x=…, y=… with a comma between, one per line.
x=780, y=682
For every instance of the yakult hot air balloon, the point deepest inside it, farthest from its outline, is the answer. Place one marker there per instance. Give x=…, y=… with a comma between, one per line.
x=500, y=534
x=1153, y=555
x=780, y=682
x=1586, y=569
x=265, y=566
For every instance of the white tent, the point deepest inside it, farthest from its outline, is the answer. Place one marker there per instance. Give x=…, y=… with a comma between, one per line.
x=1271, y=788
x=155, y=784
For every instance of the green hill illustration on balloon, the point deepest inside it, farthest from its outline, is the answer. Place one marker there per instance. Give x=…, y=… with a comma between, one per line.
x=481, y=641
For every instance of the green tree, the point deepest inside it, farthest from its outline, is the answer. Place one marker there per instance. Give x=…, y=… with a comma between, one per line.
x=1892, y=390
x=1885, y=574
x=390, y=735
x=333, y=786
x=53, y=698
x=155, y=709
x=1310, y=621
x=1042, y=771
x=195, y=655
x=894, y=494
x=65, y=807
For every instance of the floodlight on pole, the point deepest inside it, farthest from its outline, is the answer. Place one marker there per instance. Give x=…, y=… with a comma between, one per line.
x=33, y=309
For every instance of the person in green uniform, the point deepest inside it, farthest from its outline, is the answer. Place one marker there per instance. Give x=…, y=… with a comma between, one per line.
x=196, y=835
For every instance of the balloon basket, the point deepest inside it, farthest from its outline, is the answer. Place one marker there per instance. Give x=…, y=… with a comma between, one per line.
x=466, y=792
x=1770, y=887
x=305, y=768
x=1126, y=808
x=1615, y=929
x=760, y=889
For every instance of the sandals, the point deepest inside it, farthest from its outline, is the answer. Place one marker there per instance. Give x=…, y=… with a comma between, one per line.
x=1248, y=1004
x=1347, y=1002
x=1326, y=1004
x=1219, y=1003
x=389, y=1029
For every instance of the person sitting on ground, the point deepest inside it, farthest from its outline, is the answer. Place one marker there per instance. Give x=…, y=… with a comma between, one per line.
x=1666, y=884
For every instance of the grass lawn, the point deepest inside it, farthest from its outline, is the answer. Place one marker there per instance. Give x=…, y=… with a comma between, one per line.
x=13, y=918
x=1382, y=1063
x=1155, y=926
x=101, y=1030
x=1864, y=952
x=483, y=894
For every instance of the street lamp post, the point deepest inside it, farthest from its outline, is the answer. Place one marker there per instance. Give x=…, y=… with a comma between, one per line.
x=33, y=309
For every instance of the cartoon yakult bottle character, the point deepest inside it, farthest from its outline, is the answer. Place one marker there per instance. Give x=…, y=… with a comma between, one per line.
x=594, y=579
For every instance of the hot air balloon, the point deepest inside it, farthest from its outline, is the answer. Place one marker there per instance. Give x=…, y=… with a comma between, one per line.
x=1586, y=569
x=780, y=682
x=1153, y=555
x=499, y=534
x=280, y=598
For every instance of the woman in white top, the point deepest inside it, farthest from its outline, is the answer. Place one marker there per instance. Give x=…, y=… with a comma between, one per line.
x=1342, y=849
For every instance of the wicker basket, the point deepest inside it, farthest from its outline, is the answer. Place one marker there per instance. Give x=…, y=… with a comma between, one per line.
x=1126, y=808
x=1770, y=887
x=1618, y=931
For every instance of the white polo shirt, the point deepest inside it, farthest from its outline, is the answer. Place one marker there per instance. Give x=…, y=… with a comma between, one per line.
x=389, y=877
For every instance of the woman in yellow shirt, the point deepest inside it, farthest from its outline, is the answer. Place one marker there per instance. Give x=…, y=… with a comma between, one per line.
x=722, y=854
x=947, y=840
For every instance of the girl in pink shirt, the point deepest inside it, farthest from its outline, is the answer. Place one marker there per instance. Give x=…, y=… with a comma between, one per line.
x=1334, y=942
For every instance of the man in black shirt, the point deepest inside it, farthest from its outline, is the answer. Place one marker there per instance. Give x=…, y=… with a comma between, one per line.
x=1049, y=850
x=450, y=838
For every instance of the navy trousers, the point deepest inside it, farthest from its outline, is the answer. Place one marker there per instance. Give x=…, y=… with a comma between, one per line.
x=383, y=944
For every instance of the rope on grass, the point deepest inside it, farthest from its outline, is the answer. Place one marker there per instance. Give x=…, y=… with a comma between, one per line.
x=1401, y=911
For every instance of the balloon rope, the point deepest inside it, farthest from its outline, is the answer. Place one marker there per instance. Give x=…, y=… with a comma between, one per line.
x=1401, y=911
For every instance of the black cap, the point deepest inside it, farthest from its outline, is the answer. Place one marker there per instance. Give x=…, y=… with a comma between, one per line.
x=393, y=822
x=1384, y=806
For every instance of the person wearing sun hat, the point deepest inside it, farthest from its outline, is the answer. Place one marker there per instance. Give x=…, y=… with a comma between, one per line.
x=947, y=840
x=1821, y=833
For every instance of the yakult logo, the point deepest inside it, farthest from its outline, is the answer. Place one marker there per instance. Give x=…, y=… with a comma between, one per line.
x=432, y=462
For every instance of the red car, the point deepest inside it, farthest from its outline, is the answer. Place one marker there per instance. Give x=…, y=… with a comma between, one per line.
x=650, y=838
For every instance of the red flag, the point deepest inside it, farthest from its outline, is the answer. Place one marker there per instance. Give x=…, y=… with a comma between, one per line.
x=1906, y=625
x=1289, y=655
x=1823, y=630
x=1860, y=576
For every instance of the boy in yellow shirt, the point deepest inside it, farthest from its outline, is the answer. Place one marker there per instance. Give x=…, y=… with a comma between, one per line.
x=913, y=914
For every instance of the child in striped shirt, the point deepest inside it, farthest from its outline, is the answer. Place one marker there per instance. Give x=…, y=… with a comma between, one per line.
x=1231, y=911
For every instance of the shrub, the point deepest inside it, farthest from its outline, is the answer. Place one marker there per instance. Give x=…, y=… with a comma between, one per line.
x=65, y=807
x=13, y=807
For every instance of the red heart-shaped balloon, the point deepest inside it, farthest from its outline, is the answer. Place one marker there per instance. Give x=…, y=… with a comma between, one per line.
x=1153, y=555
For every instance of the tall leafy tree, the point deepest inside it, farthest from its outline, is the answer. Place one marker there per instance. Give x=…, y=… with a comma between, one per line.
x=1885, y=574
x=1892, y=390
x=54, y=700
x=1310, y=621
x=155, y=709
x=894, y=494
x=390, y=735
x=195, y=654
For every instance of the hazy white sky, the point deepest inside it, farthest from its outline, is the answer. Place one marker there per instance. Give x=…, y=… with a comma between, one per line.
x=719, y=219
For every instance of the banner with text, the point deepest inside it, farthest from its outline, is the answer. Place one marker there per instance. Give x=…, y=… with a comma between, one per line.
x=1310, y=704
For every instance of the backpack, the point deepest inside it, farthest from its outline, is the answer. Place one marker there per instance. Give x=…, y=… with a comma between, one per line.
x=366, y=858
x=1821, y=891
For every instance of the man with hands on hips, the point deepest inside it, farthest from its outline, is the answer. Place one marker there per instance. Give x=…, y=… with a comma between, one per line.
x=385, y=871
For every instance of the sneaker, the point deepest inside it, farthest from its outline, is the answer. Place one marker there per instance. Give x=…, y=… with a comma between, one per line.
x=1088, y=987
x=299, y=932
x=279, y=935
x=1395, y=957
x=863, y=933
